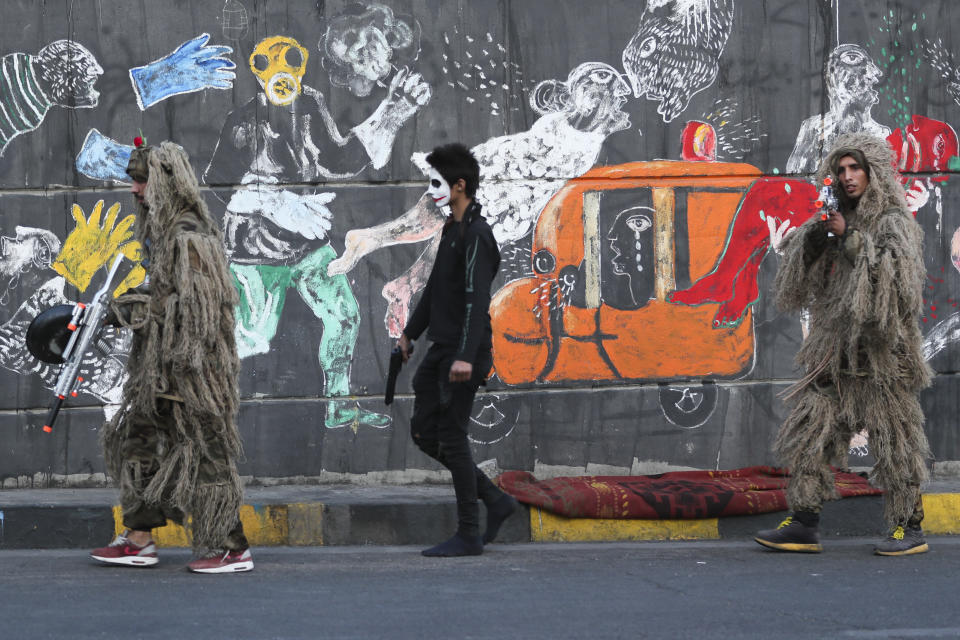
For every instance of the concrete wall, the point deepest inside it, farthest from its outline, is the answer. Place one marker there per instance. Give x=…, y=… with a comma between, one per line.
x=696, y=123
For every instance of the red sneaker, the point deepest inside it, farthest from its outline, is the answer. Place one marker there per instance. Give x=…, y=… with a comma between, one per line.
x=223, y=562
x=123, y=552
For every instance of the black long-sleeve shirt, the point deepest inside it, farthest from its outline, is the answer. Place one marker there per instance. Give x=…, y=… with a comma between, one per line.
x=455, y=304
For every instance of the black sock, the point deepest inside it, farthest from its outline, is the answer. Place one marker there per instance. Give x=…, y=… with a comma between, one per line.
x=496, y=514
x=458, y=545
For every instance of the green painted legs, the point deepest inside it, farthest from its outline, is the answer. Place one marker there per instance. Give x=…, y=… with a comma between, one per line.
x=263, y=290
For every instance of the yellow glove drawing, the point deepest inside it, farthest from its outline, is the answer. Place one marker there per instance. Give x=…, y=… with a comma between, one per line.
x=92, y=245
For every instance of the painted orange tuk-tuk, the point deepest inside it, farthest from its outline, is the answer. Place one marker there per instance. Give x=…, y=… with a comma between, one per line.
x=607, y=251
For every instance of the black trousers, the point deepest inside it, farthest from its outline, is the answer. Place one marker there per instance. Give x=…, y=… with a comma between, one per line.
x=441, y=417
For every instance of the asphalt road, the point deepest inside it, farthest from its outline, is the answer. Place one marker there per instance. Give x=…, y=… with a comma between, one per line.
x=612, y=590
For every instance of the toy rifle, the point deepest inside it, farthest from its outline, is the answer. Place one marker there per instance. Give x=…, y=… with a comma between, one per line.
x=86, y=323
x=826, y=200
x=396, y=363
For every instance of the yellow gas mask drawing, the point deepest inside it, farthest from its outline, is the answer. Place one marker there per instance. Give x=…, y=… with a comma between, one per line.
x=279, y=63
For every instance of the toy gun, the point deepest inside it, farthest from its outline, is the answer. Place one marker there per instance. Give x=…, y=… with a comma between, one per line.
x=396, y=363
x=826, y=200
x=84, y=326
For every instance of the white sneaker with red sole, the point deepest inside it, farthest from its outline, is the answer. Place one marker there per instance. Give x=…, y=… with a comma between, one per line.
x=122, y=552
x=223, y=562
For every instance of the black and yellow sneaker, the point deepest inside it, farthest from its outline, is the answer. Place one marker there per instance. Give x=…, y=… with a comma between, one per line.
x=903, y=541
x=791, y=535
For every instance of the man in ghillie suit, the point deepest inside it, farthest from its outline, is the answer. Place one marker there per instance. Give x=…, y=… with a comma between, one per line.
x=863, y=287
x=173, y=444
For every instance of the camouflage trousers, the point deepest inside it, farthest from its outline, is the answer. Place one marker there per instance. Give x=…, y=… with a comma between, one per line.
x=143, y=449
x=817, y=433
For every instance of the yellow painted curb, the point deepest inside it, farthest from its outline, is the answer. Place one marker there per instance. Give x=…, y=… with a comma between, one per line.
x=941, y=513
x=264, y=526
x=549, y=527
x=305, y=524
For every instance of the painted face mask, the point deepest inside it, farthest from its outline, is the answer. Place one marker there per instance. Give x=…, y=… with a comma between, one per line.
x=279, y=64
x=439, y=190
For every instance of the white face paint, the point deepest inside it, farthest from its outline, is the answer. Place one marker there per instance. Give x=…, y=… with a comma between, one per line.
x=439, y=190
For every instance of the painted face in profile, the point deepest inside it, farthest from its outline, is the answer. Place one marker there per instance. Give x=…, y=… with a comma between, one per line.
x=852, y=76
x=439, y=190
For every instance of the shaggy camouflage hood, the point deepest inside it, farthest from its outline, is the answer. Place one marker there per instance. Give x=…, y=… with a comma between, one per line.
x=884, y=190
x=172, y=187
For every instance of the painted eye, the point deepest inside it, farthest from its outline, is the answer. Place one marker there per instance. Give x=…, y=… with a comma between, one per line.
x=852, y=57
x=639, y=223
x=648, y=47
x=42, y=256
x=435, y=184
x=601, y=76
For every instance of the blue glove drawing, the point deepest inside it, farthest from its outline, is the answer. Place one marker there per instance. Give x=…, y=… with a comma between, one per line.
x=102, y=158
x=192, y=67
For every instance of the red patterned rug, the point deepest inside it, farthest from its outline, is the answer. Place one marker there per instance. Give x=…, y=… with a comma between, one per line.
x=674, y=495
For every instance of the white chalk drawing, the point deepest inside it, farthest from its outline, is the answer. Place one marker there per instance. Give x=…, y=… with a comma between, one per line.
x=62, y=74
x=235, y=20
x=942, y=59
x=493, y=418
x=257, y=208
x=941, y=335
x=365, y=43
x=519, y=173
x=193, y=66
x=30, y=249
x=287, y=133
x=946, y=331
x=631, y=241
x=674, y=54
x=735, y=137
x=478, y=71
x=850, y=81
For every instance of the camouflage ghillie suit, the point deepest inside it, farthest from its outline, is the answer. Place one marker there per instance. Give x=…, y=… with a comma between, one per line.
x=172, y=446
x=863, y=355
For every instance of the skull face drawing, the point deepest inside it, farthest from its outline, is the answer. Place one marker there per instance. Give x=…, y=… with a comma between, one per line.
x=279, y=63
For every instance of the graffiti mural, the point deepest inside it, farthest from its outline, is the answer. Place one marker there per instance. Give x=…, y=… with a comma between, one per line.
x=92, y=245
x=365, y=44
x=673, y=55
x=850, y=84
x=193, y=66
x=62, y=74
x=638, y=185
x=277, y=239
x=518, y=175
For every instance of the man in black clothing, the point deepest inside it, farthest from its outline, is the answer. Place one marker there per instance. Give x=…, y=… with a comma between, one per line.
x=455, y=306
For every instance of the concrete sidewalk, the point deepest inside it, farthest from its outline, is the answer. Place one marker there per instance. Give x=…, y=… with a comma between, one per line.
x=316, y=515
